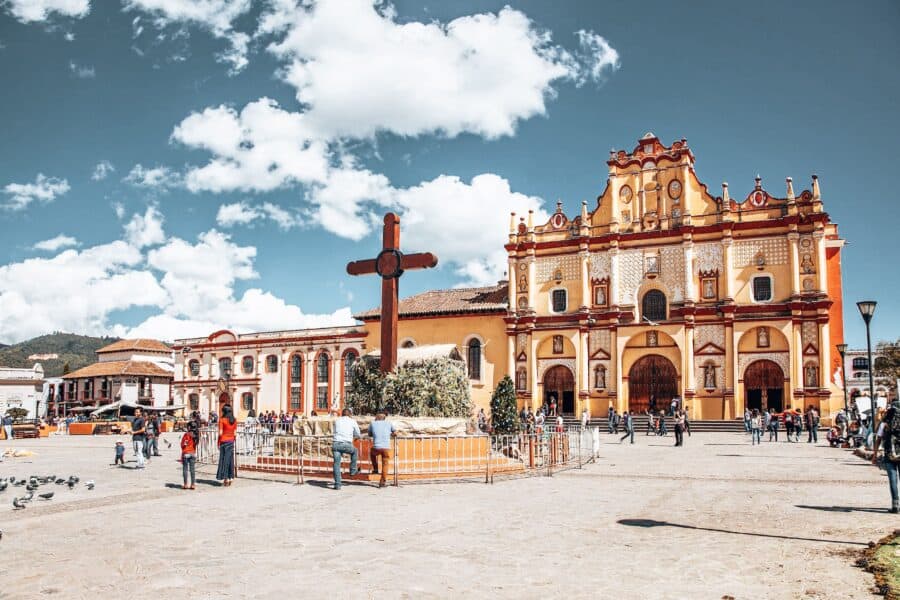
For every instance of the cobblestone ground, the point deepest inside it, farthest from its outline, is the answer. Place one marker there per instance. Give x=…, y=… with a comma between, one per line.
x=715, y=518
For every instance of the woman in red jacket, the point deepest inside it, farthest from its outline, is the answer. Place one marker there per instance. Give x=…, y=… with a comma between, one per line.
x=189, y=455
x=227, y=428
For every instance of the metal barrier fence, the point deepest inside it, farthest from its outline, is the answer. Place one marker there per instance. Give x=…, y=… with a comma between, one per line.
x=420, y=457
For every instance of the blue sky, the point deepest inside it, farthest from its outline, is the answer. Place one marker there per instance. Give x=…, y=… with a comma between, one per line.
x=249, y=148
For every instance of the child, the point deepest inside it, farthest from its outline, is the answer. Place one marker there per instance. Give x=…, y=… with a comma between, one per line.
x=189, y=455
x=120, y=453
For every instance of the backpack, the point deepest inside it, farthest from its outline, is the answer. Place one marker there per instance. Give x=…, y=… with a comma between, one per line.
x=892, y=436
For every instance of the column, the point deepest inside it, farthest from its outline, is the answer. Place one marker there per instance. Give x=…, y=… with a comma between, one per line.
x=337, y=377
x=793, y=238
x=585, y=279
x=532, y=286
x=308, y=392
x=690, y=292
x=796, y=357
x=824, y=355
x=534, y=384
x=513, y=284
x=615, y=368
x=821, y=267
x=613, y=277
x=511, y=354
x=728, y=274
x=730, y=374
x=689, y=380
x=582, y=362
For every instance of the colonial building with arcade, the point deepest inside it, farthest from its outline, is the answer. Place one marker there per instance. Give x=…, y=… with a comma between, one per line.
x=664, y=290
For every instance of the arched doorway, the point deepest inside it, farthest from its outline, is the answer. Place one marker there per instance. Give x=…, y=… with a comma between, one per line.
x=764, y=386
x=559, y=384
x=652, y=383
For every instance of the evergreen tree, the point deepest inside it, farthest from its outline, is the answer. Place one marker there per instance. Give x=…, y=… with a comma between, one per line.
x=66, y=368
x=504, y=416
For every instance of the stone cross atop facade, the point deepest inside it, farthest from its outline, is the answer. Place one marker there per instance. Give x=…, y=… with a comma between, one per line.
x=390, y=265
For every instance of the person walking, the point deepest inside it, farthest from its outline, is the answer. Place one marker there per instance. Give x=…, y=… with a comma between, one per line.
x=345, y=431
x=663, y=430
x=679, y=428
x=747, y=416
x=610, y=417
x=812, y=425
x=628, y=424
x=227, y=429
x=585, y=418
x=789, y=424
x=617, y=421
x=888, y=437
x=381, y=431
x=772, y=424
x=651, y=422
x=138, y=434
x=189, y=456
x=755, y=428
x=8, y=426
x=687, y=421
x=798, y=424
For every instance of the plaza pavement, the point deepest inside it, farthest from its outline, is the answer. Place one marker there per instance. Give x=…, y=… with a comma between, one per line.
x=713, y=519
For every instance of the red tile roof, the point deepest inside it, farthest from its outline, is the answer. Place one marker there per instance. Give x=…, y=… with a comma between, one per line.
x=117, y=368
x=138, y=344
x=459, y=301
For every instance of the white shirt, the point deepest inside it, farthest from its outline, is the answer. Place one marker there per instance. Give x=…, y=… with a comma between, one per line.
x=345, y=430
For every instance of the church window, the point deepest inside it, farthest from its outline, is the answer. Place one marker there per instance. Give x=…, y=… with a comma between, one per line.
x=322, y=386
x=247, y=401
x=473, y=357
x=225, y=367
x=349, y=360
x=861, y=363
x=653, y=306
x=296, y=381
x=762, y=288
x=194, y=366
x=271, y=364
x=521, y=379
x=247, y=364
x=194, y=402
x=559, y=301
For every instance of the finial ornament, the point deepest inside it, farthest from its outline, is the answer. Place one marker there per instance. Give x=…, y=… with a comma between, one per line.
x=726, y=199
x=816, y=194
x=530, y=220
x=790, y=189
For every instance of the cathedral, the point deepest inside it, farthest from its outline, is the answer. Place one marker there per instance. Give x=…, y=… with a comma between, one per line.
x=658, y=291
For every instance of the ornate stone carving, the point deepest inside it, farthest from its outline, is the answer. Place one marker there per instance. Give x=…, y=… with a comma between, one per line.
x=774, y=250
x=708, y=257
x=547, y=363
x=700, y=364
x=600, y=265
x=673, y=271
x=547, y=269
x=599, y=340
x=779, y=358
x=809, y=334
x=631, y=271
x=709, y=334
x=604, y=375
x=521, y=343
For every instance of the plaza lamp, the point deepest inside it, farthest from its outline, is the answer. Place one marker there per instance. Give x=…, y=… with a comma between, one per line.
x=867, y=311
x=842, y=350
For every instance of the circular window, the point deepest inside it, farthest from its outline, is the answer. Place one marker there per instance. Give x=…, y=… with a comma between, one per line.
x=625, y=194
x=675, y=189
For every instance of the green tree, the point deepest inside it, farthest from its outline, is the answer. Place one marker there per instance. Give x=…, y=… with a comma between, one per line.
x=887, y=362
x=66, y=368
x=504, y=415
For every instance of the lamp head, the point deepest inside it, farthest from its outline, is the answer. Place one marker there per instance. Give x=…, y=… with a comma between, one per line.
x=842, y=350
x=866, y=309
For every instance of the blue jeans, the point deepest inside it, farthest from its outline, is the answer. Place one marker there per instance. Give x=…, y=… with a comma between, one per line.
x=746, y=425
x=338, y=450
x=755, y=436
x=892, y=473
x=188, y=462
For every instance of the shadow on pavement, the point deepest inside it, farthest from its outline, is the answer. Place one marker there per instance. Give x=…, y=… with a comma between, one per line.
x=844, y=509
x=647, y=523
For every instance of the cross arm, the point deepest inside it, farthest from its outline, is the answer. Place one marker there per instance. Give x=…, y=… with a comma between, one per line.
x=361, y=267
x=421, y=260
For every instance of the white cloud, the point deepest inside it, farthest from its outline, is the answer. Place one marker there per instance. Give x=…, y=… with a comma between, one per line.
x=156, y=177
x=145, y=230
x=69, y=36
x=360, y=71
x=30, y=11
x=259, y=149
x=57, y=243
x=81, y=71
x=216, y=16
x=44, y=189
x=102, y=170
x=244, y=213
x=597, y=56
x=119, y=209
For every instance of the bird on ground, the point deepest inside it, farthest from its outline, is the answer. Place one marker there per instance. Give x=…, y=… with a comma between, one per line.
x=46, y=496
x=90, y=484
x=27, y=497
x=3, y=486
x=74, y=478
x=19, y=483
x=168, y=443
x=60, y=481
x=71, y=484
x=17, y=505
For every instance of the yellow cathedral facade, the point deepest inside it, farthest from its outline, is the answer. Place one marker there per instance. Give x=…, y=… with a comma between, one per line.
x=661, y=290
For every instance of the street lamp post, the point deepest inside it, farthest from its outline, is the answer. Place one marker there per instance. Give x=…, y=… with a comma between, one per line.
x=842, y=350
x=867, y=310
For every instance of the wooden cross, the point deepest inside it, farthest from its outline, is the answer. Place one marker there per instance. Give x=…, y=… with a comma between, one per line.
x=390, y=265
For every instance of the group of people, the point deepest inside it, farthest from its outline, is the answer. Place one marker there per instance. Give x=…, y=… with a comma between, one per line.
x=145, y=433
x=794, y=422
x=274, y=421
x=536, y=421
x=346, y=429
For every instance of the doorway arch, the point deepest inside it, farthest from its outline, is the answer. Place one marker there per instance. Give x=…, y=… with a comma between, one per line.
x=652, y=383
x=559, y=384
x=764, y=386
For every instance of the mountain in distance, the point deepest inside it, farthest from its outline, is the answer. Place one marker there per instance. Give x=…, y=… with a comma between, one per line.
x=77, y=350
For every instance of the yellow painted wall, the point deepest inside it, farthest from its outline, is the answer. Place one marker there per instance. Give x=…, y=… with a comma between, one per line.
x=457, y=330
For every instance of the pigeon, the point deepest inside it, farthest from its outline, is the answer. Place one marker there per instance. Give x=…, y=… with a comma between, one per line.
x=19, y=483
x=27, y=498
x=3, y=486
x=168, y=443
x=71, y=484
x=74, y=478
x=17, y=505
x=90, y=484
x=46, y=496
x=60, y=481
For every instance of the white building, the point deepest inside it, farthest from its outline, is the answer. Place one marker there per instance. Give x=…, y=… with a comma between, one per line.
x=22, y=388
x=856, y=363
x=297, y=371
x=138, y=371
